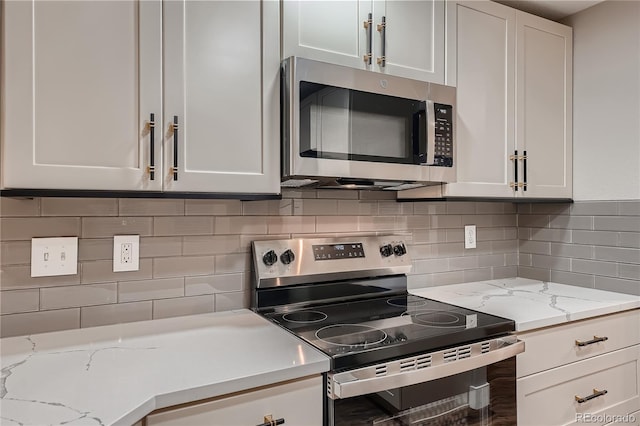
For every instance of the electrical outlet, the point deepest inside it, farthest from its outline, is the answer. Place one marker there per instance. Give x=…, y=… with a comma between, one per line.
x=126, y=253
x=54, y=256
x=470, y=236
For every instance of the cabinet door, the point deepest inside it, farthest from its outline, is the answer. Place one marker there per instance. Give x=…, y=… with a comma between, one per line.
x=221, y=86
x=543, y=105
x=298, y=403
x=413, y=42
x=80, y=80
x=328, y=31
x=481, y=62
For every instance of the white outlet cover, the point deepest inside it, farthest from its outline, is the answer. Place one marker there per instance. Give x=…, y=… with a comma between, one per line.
x=118, y=264
x=470, y=236
x=54, y=256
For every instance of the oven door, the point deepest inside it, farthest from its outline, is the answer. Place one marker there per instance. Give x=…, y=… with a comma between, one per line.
x=469, y=385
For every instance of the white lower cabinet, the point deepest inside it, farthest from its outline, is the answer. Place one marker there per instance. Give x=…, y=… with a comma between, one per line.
x=298, y=402
x=632, y=419
x=583, y=372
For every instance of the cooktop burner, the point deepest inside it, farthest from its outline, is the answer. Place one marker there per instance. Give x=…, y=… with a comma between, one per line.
x=364, y=331
x=351, y=335
x=434, y=318
x=305, y=317
x=403, y=302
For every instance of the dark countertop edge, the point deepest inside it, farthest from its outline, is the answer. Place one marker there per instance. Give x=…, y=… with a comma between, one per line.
x=497, y=200
x=31, y=193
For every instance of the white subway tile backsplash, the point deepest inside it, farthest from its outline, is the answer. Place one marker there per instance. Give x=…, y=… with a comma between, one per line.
x=79, y=206
x=17, y=229
x=240, y=225
x=291, y=224
x=95, y=249
x=78, y=296
x=132, y=291
x=213, y=207
x=16, y=301
x=183, y=225
x=210, y=284
x=15, y=252
x=229, y=263
x=102, y=271
x=105, y=227
x=92, y=316
x=230, y=301
x=183, y=266
x=160, y=246
x=211, y=244
x=19, y=277
x=39, y=322
x=151, y=207
x=193, y=305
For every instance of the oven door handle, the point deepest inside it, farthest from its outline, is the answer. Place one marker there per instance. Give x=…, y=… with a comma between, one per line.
x=433, y=366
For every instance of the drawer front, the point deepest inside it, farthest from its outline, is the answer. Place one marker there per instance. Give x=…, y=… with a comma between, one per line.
x=549, y=398
x=298, y=403
x=556, y=346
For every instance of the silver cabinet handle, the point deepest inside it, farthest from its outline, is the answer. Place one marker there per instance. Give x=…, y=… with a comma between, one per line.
x=595, y=339
x=596, y=393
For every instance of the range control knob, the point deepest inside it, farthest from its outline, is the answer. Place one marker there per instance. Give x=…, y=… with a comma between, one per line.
x=386, y=250
x=287, y=257
x=270, y=258
x=399, y=249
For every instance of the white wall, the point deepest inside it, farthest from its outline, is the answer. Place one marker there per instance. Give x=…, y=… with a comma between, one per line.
x=606, y=106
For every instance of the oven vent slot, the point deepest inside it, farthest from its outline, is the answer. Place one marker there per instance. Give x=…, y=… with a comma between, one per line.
x=381, y=370
x=457, y=353
x=417, y=363
x=486, y=347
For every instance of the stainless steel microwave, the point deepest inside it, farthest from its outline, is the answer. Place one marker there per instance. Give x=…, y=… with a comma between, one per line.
x=349, y=128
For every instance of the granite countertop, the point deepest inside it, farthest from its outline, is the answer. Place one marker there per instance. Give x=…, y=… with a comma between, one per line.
x=117, y=374
x=530, y=303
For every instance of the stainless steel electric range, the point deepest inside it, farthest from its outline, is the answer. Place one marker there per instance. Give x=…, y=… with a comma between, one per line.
x=397, y=359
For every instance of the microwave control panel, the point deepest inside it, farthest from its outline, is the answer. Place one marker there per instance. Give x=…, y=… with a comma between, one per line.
x=443, y=153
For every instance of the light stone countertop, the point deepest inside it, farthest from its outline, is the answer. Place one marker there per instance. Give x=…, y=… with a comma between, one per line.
x=117, y=374
x=531, y=303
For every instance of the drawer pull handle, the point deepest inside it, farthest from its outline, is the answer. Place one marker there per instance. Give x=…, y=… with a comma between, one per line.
x=596, y=393
x=269, y=421
x=596, y=339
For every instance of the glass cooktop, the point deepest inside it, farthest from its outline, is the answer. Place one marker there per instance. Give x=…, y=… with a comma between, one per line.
x=373, y=330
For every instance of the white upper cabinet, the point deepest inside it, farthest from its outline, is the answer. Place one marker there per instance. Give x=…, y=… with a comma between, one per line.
x=398, y=37
x=481, y=63
x=544, y=106
x=80, y=82
x=216, y=55
x=513, y=124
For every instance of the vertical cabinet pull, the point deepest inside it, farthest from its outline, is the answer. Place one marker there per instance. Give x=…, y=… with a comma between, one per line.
x=514, y=184
x=368, y=25
x=596, y=393
x=152, y=143
x=524, y=170
x=174, y=169
x=382, y=29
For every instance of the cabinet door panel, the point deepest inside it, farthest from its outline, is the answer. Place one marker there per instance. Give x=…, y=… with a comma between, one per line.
x=81, y=79
x=481, y=58
x=214, y=69
x=544, y=105
x=329, y=31
x=414, y=39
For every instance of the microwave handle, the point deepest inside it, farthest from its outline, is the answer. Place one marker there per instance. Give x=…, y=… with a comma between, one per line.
x=419, y=139
x=431, y=132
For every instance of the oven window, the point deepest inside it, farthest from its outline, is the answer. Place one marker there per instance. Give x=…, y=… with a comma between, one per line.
x=485, y=396
x=344, y=124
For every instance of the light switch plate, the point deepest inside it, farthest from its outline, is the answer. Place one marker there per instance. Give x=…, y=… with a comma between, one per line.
x=54, y=256
x=126, y=253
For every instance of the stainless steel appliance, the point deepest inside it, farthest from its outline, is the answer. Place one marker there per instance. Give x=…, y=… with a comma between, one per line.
x=396, y=358
x=344, y=127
